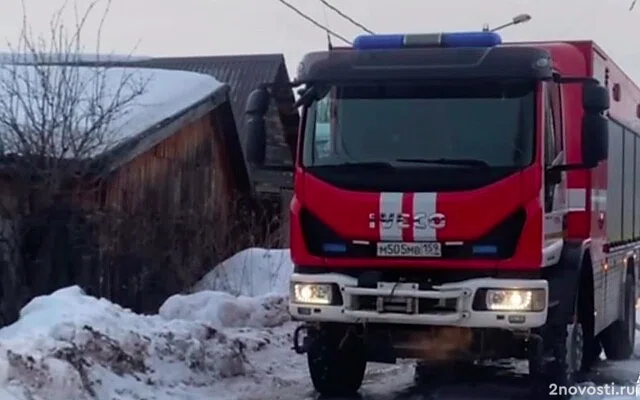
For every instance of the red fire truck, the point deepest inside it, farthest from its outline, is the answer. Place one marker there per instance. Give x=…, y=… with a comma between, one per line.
x=460, y=198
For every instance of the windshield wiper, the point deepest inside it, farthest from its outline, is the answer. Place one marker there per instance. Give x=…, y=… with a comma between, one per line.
x=468, y=162
x=366, y=164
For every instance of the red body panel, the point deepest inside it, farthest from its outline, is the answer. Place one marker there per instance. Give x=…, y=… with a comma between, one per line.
x=625, y=111
x=469, y=215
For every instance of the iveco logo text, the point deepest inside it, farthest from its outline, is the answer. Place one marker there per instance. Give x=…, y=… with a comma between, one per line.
x=437, y=221
x=402, y=220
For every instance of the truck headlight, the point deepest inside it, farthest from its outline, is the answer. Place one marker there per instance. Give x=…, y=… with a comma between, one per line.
x=516, y=299
x=312, y=293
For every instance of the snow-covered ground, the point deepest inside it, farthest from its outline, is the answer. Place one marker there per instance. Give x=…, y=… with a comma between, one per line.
x=205, y=345
x=230, y=339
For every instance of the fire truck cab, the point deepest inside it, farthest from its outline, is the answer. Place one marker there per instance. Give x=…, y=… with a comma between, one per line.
x=457, y=198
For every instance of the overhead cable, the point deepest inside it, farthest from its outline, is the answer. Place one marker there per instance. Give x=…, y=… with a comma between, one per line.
x=316, y=23
x=345, y=16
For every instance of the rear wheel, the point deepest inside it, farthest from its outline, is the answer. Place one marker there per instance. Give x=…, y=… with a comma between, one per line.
x=619, y=338
x=337, y=362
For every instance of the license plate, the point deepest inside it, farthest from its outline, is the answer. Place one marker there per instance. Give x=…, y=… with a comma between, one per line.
x=400, y=249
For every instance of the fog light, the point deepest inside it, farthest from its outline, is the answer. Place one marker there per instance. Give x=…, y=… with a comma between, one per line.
x=311, y=293
x=516, y=300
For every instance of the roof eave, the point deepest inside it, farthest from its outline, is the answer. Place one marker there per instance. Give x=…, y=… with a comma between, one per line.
x=141, y=143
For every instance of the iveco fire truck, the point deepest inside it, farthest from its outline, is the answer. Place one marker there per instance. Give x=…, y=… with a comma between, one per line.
x=460, y=198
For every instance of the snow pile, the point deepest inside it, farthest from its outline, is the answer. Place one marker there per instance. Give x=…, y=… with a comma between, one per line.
x=69, y=345
x=251, y=272
x=250, y=289
x=225, y=310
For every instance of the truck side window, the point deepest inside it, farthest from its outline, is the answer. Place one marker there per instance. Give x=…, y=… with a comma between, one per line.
x=551, y=146
x=551, y=150
x=322, y=140
x=556, y=109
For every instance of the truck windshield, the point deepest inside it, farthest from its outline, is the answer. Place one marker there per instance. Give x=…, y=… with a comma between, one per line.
x=398, y=125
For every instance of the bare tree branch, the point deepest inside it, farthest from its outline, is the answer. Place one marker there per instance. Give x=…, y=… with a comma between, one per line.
x=52, y=109
x=54, y=114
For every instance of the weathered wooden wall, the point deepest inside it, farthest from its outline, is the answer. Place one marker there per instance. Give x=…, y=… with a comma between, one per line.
x=10, y=261
x=9, y=205
x=183, y=172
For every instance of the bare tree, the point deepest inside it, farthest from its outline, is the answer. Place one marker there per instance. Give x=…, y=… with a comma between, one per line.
x=59, y=110
x=51, y=108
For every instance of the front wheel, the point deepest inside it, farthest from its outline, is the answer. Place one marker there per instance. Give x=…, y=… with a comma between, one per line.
x=337, y=362
x=556, y=360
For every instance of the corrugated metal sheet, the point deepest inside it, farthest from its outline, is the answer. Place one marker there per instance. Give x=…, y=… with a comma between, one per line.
x=243, y=73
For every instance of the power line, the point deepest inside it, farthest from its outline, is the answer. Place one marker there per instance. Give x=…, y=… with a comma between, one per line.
x=345, y=16
x=314, y=22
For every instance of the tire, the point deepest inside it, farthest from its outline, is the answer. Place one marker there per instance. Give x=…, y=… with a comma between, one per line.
x=619, y=338
x=591, y=348
x=559, y=361
x=336, y=365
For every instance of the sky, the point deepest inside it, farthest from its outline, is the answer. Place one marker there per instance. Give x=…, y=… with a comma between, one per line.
x=216, y=27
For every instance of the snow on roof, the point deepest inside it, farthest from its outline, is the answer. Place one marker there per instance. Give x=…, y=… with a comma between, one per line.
x=6, y=57
x=167, y=94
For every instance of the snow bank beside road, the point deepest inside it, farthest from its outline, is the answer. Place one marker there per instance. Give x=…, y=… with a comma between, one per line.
x=249, y=289
x=251, y=272
x=225, y=310
x=69, y=345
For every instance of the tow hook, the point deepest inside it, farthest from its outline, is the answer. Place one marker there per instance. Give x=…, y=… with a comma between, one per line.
x=301, y=348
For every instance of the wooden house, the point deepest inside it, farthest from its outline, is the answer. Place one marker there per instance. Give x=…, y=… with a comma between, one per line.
x=243, y=74
x=176, y=149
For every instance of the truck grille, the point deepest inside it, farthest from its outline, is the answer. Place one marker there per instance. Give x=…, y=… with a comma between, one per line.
x=503, y=238
x=403, y=305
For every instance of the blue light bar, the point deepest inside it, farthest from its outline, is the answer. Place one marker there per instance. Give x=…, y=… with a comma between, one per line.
x=374, y=42
x=451, y=39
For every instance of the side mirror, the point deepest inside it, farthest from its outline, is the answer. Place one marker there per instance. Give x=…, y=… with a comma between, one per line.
x=595, y=97
x=256, y=140
x=595, y=139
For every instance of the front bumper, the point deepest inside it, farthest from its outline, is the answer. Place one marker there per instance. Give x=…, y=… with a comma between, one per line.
x=459, y=295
